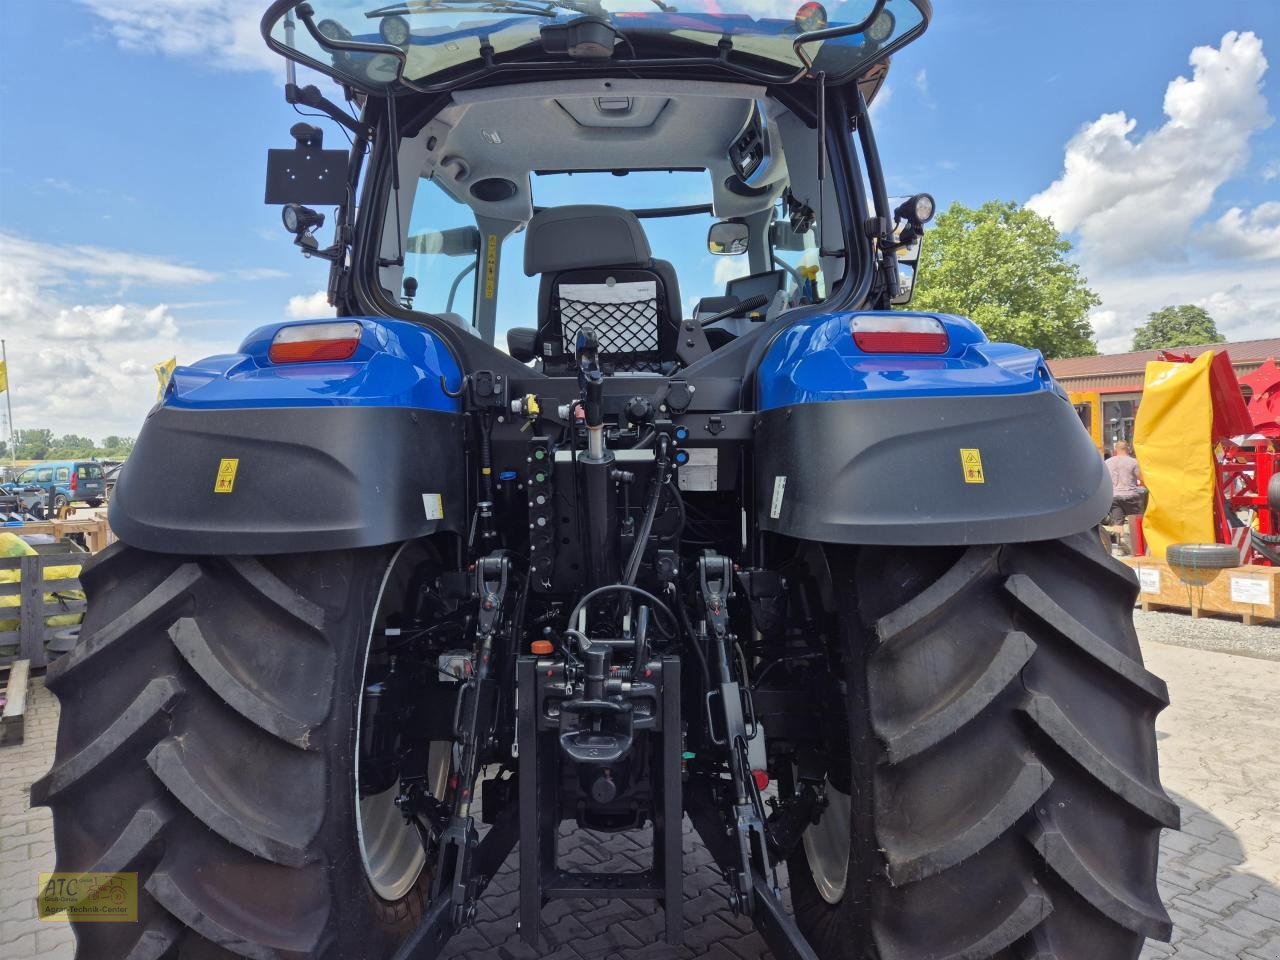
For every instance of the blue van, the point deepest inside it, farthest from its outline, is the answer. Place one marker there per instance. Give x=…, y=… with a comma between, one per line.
x=74, y=481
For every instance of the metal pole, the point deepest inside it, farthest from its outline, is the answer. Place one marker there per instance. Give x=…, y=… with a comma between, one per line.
x=8, y=399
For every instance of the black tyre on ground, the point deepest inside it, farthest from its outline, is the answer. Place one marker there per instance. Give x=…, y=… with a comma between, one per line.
x=1003, y=792
x=207, y=741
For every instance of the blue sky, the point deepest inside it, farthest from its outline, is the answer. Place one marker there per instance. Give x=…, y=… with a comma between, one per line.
x=132, y=139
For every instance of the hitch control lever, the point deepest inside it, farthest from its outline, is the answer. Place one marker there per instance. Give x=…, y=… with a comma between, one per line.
x=591, y=389
x=746, y=306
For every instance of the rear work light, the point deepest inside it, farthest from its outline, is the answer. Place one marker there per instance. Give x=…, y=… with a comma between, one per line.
x=890, y=333
x=315, y=341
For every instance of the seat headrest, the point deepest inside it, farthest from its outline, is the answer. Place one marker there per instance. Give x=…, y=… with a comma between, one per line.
x=581, y=236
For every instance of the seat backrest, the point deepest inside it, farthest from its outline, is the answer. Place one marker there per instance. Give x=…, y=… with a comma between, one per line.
x=597, y=270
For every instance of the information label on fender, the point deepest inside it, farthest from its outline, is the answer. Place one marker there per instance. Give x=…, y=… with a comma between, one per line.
x=779, y=490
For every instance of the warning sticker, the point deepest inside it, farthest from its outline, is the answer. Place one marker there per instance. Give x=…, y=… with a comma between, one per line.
x=490, y=265
x=433, y=506
x=971, y=461
x=225, y=482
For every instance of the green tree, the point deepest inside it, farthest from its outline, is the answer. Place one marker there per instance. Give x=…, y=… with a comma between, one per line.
x=1184, y=326
x=71, y=445
x=33, y=444
x=115, y=447
x=1006, y=268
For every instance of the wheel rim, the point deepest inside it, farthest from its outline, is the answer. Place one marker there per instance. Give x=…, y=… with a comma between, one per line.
x=390, y=848
x=827, y=842
x=826, y=846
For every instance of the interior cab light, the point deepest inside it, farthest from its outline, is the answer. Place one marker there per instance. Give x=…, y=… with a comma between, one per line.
x=898, y=333
x=315, y=341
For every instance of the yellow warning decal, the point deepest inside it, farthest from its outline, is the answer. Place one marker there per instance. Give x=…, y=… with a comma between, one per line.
x=971, y=461
x=226, y=480
x=490, y=266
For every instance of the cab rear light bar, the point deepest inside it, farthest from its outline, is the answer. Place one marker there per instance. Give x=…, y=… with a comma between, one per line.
x=899, y=333
x=308, y=342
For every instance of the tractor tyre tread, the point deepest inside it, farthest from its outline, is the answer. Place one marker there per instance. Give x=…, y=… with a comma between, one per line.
x=999, y=700
x=204, y=740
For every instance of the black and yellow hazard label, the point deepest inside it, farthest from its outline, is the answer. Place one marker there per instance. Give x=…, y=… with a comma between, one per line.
x=490, y=266
x=226, y=479
x=88, y=897
x=971, y=462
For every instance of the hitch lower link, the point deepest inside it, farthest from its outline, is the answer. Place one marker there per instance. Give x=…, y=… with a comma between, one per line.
x=740, y=846
x=465, y=864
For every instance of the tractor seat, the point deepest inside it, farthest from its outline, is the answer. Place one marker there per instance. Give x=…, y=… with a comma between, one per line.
x=597, y=270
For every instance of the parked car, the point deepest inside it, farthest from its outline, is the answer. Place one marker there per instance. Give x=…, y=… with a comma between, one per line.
x=74, y=481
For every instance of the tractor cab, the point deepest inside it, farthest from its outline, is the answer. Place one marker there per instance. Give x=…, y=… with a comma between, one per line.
x=674, y=180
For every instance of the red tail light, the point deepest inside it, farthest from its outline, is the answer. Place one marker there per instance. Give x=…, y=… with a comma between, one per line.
x=74, y=476
x=899, y=333
x=315, y=341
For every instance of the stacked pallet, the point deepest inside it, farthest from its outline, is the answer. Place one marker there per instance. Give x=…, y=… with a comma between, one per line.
x=1249, y=592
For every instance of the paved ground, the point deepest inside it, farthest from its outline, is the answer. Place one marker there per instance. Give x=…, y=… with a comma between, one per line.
x=1220, y=875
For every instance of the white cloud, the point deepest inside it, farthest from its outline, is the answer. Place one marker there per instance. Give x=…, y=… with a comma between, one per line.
x=1132, y=199
x=730, y=268
x=224, y=33
x=29, y=261
x=1244, y=301
x=922, y=88
x=259, y=273
x=85, y=367
x=1271, y=171
x=1252, y=236
x=303, y=307
x=116, y=322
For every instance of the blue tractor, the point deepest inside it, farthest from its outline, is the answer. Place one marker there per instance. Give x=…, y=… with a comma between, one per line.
x=396, y=598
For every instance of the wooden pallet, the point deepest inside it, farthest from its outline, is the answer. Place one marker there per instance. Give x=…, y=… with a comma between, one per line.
x=14, y=678
x=33, y=588
x=1250, y=592
x=95, y=531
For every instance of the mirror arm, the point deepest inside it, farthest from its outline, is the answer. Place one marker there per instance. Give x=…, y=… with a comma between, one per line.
x=310, y=96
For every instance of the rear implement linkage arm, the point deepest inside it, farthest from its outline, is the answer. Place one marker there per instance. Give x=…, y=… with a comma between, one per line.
x=466, y=864
x=740, y=846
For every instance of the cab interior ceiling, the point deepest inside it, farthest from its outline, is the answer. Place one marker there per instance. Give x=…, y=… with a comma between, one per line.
x=507, y=133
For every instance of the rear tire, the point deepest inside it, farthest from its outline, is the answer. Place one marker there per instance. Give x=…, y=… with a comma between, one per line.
x=207, y=741
x=1003, y=796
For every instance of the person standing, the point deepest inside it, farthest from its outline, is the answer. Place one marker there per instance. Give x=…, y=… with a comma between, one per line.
x=1129, y=496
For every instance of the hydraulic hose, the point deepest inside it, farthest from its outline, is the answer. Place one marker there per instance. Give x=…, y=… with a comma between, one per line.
x=625, y=588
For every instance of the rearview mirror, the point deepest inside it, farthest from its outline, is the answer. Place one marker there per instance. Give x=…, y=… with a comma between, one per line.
x=728, y=238
x=908, y=257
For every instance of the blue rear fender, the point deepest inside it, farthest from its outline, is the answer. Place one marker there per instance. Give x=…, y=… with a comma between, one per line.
x=817, y=360
x=977, y=444
x=246, y=456
x=396, y=364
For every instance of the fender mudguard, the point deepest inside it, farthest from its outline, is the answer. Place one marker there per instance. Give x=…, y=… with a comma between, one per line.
x=979, y=445
x=243, y=456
